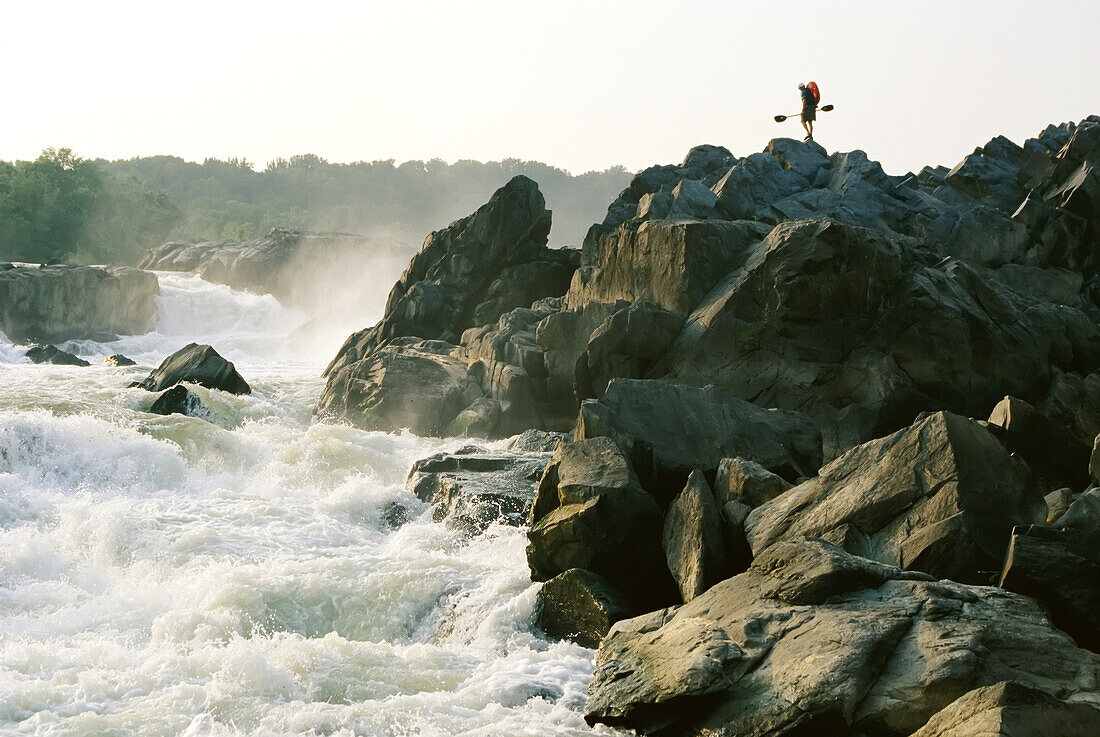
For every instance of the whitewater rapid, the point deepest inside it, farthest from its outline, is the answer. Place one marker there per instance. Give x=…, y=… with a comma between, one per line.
x=172, y=576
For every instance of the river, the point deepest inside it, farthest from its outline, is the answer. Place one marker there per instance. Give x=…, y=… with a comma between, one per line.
x=238, y=576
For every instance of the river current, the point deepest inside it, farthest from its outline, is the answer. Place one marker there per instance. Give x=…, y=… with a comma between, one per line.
x=239, y=576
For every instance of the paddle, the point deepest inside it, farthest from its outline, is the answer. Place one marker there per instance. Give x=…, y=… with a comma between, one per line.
x=822, y=109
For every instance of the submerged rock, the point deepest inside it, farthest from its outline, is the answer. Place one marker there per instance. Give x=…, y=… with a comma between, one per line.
x=53, y=354
x=812, y=640
x=178, y=401
x=198, y=364
x=59, y=303
x=475, y=488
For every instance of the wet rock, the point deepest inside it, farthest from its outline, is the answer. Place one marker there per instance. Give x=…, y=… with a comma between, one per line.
x=812, y=640
x=197, y=364
x=537, y=441
x=53, y=354
x=668, y=430
x=742, y=480
x=1006, y=709
x=693, y=539
x=59, y=303
x=940, y=496
x=1061, y=569
x=580, y=605
x=178, y=401
x=119, y=360
x=474, y=489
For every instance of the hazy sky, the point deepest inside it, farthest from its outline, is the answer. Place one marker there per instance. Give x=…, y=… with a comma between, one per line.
x=581, y=85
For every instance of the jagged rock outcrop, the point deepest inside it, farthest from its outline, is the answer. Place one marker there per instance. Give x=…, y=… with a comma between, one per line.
x=59, y=303
x=475, y=488
x=468, y=303
x=941, y=496
x=198, y=364
x=53, y=354
x=667, y=430
x=812, y=640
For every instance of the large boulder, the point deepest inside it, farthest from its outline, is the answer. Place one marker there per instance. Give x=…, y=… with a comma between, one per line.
x=470, y=273
x=626, y=345
x=668, y=430
x=812, y=640
x=1061, y=569
x=482, y=283
x=694, y=539
x=198, y=364
x=1009, y=709
x=474, y=489
x=53, y=354
x=941, y=496
x=59, y=303
x=591, y=513
x=178, y=401
x=580, y=605
x=420, y=386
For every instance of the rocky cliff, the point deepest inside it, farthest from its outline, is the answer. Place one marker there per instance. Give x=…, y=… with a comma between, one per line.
x=59, y=303
x=817, y=410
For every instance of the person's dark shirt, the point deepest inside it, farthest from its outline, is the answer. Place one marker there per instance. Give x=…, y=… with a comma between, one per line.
x=808, y=98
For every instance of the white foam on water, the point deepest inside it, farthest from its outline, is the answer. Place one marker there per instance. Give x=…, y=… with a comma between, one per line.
x=168, y=576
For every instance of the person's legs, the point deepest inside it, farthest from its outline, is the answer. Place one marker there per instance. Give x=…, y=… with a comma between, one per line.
x=806, y=127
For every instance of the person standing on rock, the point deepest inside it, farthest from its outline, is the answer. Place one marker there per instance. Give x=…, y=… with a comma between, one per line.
x=809, y=110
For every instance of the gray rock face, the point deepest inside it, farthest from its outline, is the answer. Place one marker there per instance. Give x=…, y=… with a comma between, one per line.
x=53, y=354
x=198, y=364
x=1007, y=709
x=625, y=345
x=590, y=513
x=1050, y=449
x=840, y=323
x=1094, y=461
x=941, y=496
x=811, y=640
x=475, y=489
x=694, y=540
x=416, y=385
x=1061, y=569
x=668, y=430
x=747, y=482
x=579, y=605
x=59, y=303
x=490, y=266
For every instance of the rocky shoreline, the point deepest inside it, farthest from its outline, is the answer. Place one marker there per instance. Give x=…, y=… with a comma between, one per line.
x=806, y=448
x=828, y=470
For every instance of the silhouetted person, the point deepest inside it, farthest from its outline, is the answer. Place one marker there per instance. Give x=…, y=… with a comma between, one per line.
x=809, y=111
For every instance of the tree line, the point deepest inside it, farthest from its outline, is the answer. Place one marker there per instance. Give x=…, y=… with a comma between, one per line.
x=61, y=207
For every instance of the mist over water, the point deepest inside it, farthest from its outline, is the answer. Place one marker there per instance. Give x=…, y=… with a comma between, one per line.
x=170, y=576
